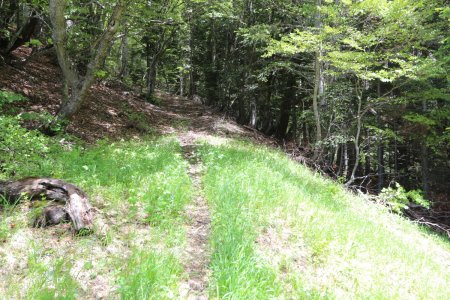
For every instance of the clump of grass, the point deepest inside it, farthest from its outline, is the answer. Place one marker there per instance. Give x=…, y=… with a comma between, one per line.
x=352, y=248
x=181, y=124
x=238, y=273
x=8, y=218
x=51, y=282
x=150, y=276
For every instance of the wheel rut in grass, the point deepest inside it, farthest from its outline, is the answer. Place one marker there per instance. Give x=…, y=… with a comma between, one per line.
x=197, y=253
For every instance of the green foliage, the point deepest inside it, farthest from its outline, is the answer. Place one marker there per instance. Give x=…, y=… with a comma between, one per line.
x=20, y=149
x=34, y=43
x=296, y=42
x=420, y=119
x=45, y=119
x=10, y=98
x=397, y=198
x=101, y=74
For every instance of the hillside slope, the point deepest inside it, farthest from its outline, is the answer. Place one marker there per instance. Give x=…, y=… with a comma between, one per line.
x=112, y=110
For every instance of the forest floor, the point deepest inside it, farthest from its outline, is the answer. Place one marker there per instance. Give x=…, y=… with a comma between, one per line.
x=114, y=111
x=192, y=205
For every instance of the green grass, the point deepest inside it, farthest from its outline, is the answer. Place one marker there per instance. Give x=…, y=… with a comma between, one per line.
x=141, y=188
x=152, y=173
x=321, y=242
x=151, y=276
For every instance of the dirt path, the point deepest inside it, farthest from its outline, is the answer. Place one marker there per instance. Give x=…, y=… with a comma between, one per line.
x=197, y=252
x=196, y=121
x=191, y=122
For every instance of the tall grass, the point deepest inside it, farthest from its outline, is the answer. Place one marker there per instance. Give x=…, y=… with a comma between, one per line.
x=142, y=186
x=150, y=276
x=336, y=245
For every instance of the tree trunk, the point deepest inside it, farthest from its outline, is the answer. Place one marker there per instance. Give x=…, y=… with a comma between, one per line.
x=425, y=167
x=75, y=87
x=285, y=106
x=367, y=168
x=76, y=203
x=253, y=112
x=317, y=86
x=341, y=161
x=380, y=166
x=345, y=174
x=151, y=79
x=315, y=104
x=124, y=55
x=358, y=134
x=424, y=160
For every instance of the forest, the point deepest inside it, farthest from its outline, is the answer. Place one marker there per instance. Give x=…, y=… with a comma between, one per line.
x=234, y=149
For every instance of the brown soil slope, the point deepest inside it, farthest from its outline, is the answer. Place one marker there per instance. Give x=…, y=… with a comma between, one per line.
x=112, y=110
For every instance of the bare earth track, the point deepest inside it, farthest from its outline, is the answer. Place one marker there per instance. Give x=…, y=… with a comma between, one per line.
x=197, y=254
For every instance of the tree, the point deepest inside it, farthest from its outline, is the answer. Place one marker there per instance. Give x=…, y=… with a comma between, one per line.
x=76, y=86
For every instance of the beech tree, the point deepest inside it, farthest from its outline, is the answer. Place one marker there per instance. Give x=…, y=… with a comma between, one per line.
x=76, y=85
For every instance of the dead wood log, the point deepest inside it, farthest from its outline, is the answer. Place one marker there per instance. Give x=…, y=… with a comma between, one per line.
x=68, y=201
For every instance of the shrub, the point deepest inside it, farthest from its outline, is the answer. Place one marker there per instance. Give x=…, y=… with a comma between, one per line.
x=397, y=198
x=19, y=147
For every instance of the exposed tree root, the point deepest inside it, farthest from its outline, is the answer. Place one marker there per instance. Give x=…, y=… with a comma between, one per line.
x=67, y=202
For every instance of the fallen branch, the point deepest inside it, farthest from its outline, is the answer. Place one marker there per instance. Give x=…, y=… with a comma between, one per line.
x=423, y=218
x=68, y=201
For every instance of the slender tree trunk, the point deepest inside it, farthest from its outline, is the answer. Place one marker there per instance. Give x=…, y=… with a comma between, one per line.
x=316, y=105
x=380, y=166
x=345, y=174
x=192, y=76
x=395, y=157
x=425, y=167
x=124, y=55
x=151, y=78
x=358, y=134
x=211, y=72
x=367, y=167
x=181, y=78
x=424, y=162
x=253, y=112
x=317, y=87
x=341, y=160
x=285, y=106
